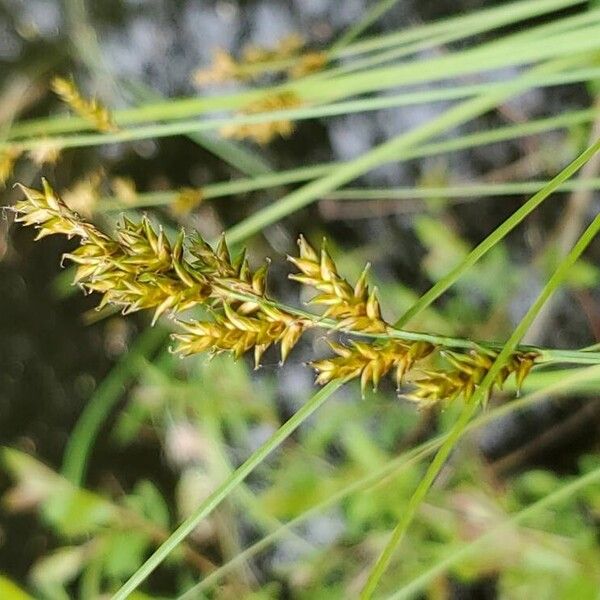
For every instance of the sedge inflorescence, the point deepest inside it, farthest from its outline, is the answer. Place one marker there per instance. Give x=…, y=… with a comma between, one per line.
x=90, y=109
x=139, y=268
x=467, y=372
x=263, y=133
x=289, y=56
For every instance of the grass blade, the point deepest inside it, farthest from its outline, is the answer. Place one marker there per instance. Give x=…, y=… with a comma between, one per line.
x=395, y=148
x=249, y=163
x=372, y=15
x=559, y=495
x=460, y=191
x=469, y=410
x=443, y=284
x=494, y=17
x=225, y=489
x=477, y=58
x=474, y=140
x=453, y=35
x=451, y=192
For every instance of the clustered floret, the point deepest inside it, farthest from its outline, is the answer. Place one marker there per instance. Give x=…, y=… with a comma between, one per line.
x=139, y=268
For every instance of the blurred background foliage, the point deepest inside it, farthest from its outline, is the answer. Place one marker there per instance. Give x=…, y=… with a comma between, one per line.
x=83, y=508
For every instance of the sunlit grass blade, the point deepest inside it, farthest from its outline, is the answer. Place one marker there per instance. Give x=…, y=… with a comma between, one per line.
x=493, y=16
x=462, y=193
x=395, y=148
x=225, y=489
x=453, y=35
x=478, y=398
x=525, y=48
x=247, y=162
x=475, y=60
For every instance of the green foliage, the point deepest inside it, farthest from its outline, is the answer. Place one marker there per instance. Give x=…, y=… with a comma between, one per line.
x=11, y=591
x=318, y=492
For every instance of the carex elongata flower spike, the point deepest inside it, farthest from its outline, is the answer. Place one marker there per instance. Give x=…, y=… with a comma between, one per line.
x=467, y=373
x=90, y=109
x=356, y=307
x=139, y=268
x=289, y=55
x=263, y=133
x=371, y=362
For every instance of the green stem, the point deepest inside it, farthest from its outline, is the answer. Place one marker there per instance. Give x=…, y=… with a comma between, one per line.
x=545, y=355
x=496, y=16
x=415, y=501
x=460, y=191
x=469, y=409
x=218, y=190
x=225, y=489
x=452, y=35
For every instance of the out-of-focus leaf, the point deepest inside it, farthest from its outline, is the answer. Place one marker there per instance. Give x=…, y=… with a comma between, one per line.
x=381, y=505
x=131, y=420
x=76, y=512
x=35, y=482
x=580, y=587
x=59, y=568
x=148, y=501
x=583, y=275
x=70, y=510
x=535, y=484
x=592, y=494
x=124, y=553
x=193, y=488
x=298, y=485
x=11, y=591
x=445, y=248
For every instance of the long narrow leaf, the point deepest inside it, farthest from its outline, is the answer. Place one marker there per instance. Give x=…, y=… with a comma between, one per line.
x=469, y=409
x=225, y=489
x=562, y=494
